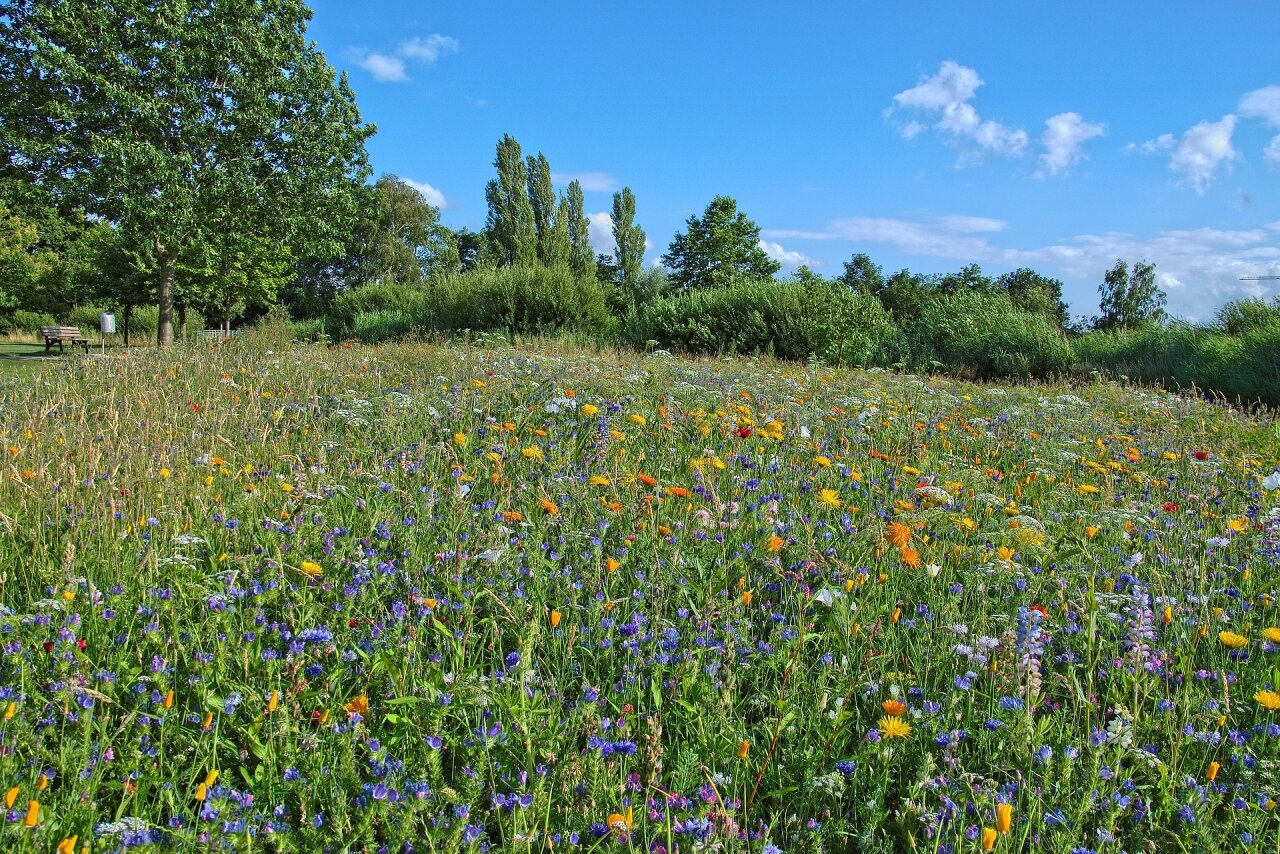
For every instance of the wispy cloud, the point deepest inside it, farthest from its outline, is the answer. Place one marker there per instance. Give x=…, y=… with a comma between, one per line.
x=392, y=66
x=945, y=97
x=600, y=234
x=1198, y=155
x=430, y=193
x=592, y=182
x=1264, y=104
x=787, y=257
x=1063, y=140
x=1199, y=268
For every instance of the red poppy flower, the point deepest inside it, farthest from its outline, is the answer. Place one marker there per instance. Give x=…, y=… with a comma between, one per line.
x=743, y=432
x=48, y=646
x=1042, y=610
x=1200, y=455
x=1171, y=507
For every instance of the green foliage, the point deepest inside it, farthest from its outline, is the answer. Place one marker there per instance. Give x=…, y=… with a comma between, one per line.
x=512, y=236
x=574, y=214
x=388, y=299
x=986, y=335
x=1030, y=291
x=1130, y=298
x=1249, y=315
x=26, y=322
x=629, y=239
x=863, y=275
x=520, y=300
x=269, y=147
x=788, y=320
x=717, y=249
x=1244, y=367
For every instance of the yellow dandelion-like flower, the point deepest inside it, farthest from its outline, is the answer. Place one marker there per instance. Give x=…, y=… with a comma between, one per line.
x=1239, y=525
x=1269, y=700
x=824, y=462
x=829, y=497
x=533, y=452
x=893, y=728
x=590, y=409
x=638, y=420
x=599, y=480
x=1272, y=634
x=311, y=569
x=1231, y=640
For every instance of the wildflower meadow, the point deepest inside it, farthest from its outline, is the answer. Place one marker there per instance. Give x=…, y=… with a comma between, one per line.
x=439, y=597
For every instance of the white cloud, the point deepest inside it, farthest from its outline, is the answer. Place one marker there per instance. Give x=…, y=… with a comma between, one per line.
x=1202, y=150
x=1264, y=104
x=1064, y=136
x=946, y=96
x=1199, y=268
x=600, y=233
x=427, y=50
x=385, y=69
x=592, y=182
x=786, y=257
x=392, y=67
x=430, y=193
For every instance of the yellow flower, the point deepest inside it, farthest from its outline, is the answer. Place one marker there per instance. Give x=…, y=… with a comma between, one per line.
x=829, y=497
x=9, y=797
x=555, y=619
x=1087, y=489
x=1272, y=634
x=164, y=473
x=776, y=543
x=911, y=470
x=638, y=420
x=33, y=814
x=311, y=569
x=358, y=706
x=1269, y=700
x=1005, y=553
x=273, y=701
x=550, y=506
x=1232, y=640
x=899, y=534
x=894, y=728
x=964, y=523
x=1004, y=817
x=590, y=409
x=533, y=452
x=68, y=845
x=825, y=462
x=10, y=710
x=1212, y=773
x=619, y=823
x=460, y=439
x=286, y=487
x=743, y=749
x=1239, y=525
x=989, y=837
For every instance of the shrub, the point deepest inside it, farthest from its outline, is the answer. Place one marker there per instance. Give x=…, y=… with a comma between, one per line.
x=519, y=300
x=408, y=301
x=28, y=322
x=788, y=320
x=1249, y=315
x=986, y=335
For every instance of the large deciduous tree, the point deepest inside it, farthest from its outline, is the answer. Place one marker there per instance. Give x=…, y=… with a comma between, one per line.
x=718, y=248
x=1130, y=297
x=188, y=123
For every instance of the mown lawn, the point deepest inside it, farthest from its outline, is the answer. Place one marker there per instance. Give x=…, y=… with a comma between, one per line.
x=274, y=597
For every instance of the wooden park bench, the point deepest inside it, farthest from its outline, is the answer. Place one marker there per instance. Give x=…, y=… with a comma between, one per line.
x=61, y=335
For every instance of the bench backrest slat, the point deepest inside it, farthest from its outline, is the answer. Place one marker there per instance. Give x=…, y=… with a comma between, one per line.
x=61, y=332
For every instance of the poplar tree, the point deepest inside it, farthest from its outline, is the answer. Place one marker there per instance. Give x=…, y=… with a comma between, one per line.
x=582, y=261
x=542, y=201
x=629, y=239
x=188, y=123
x=510, y=223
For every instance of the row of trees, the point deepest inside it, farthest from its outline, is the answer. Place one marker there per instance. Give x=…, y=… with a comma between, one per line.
x=204, y=154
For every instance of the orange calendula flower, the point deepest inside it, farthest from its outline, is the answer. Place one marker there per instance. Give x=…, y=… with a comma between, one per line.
x=1238, y=525
x=207, y=723
x=611, y=564
x=619, y=823
x=358, y=706
x=42, y=783
x=911, y=557
x=776, y=543
x=10, y=710
x=746, y=597
x=1212, y=773
x=1091, y=531
x=647, y=480
x=898, y=534
x=550, y=506
x=555, y=619
x=1005, y=553
x=894, y=708
x=677, y=491
x=512, y=516
x=167, y=702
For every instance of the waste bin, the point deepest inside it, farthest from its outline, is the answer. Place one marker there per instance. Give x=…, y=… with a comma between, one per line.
x=107, y=323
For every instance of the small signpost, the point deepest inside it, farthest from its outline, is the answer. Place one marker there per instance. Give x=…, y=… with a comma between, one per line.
x=106, y=326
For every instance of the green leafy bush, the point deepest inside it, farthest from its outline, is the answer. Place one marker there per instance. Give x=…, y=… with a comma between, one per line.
x=28, y=322
x=788, y=320
x=523, y=300
x=986, y=335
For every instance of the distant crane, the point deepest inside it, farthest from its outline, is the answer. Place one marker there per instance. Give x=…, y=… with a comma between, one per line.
x=1257, y=278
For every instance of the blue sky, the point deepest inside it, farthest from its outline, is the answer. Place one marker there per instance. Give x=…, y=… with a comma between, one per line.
x=928, y=135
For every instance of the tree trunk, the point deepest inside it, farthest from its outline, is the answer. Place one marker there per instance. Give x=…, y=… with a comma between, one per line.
x=128, y=312
x=182, y=322
x=164, y=325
